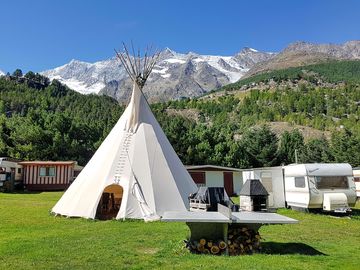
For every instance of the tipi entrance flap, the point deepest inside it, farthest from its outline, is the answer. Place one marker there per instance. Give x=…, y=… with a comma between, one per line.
x=141, y=189
x=110, y=202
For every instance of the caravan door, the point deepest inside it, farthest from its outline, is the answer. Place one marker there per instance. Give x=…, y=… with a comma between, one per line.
x=266, y=180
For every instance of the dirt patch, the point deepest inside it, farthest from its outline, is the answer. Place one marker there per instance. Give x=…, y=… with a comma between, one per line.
x=149, y=250
x=308, y=133
x=192, y=114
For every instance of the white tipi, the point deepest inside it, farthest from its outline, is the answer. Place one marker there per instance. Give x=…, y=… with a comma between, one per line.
x=135, y=173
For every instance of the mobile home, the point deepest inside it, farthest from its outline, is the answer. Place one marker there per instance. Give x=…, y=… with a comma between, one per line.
x=217, y=176
x=329, y=187
x=10, y=171
x=48, y=175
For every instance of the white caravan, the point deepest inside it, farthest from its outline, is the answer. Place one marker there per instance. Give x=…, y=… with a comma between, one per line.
x=356, y=172
x=329, y=187
x=10, y=170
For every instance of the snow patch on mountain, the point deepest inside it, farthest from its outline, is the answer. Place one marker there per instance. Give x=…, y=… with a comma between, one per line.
x=161, y=70
x=174, y=60
x=81, y=86
x=87, y=78
x=2, y=73
x=227, y=65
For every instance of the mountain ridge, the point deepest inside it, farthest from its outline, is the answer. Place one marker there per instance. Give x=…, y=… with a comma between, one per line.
x=302, y=53
x=175, y=76
x=179, y=75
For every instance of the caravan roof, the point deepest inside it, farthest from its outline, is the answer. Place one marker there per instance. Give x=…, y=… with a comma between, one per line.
x=318, y=169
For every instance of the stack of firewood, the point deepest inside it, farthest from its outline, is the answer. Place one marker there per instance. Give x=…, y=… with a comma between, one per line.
x=204, y=246
x=241, y=240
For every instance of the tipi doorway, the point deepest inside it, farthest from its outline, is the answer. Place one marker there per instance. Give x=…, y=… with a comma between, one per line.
x=110, y=202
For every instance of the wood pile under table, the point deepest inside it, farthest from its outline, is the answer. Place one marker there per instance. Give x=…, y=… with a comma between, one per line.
x=241, y=240
x=225, y=232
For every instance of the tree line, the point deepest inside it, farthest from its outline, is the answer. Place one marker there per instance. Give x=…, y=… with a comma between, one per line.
x=256, y=147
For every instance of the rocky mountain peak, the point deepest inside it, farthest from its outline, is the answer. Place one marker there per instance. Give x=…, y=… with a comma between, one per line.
x=298, y=46
x=167, y=53
x=175, y=75
x=352, y=43
x=246, y=50
x=347, y=50
x=302, y=53
x=248, y=57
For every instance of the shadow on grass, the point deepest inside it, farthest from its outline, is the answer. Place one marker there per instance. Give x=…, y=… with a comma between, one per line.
x=289, y=248
x=22, y=192
x=355, y=214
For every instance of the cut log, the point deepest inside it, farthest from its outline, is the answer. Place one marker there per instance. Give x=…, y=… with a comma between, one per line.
x=222, y=245
x=200, y=248
x=215, y=249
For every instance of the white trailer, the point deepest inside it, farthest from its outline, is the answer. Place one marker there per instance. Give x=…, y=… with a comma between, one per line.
x=356, y=172
x=329, y=187
x=10, y=170
x=273, y=180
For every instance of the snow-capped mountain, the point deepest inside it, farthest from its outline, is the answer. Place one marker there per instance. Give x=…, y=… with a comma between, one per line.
x=2, y=73
x=87, y=78
x=176, y=75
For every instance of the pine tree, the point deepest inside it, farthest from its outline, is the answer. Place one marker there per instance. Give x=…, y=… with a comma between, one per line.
x=291, y=144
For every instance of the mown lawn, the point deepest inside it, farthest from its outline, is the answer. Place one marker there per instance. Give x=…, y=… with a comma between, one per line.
x=30, y=238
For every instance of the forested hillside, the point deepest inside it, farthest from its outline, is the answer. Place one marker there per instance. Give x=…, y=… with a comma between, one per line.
x=332, y=72
x=232, y=131
x=53, y=122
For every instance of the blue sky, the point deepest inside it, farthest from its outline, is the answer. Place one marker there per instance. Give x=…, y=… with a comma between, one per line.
x=41, y=34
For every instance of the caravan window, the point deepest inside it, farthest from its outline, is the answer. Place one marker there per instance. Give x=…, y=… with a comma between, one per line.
x=42, y=171
x=47, y=171
x=51, y=171
x=329, y=182
x=300, y=182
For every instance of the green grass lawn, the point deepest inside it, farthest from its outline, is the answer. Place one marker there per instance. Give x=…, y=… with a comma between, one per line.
x=30, y=238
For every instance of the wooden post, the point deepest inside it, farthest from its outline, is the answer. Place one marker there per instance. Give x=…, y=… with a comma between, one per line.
x=225, y=235
x=226, y=211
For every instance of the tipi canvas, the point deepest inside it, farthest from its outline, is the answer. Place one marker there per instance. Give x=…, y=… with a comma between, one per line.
x=135, y=167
